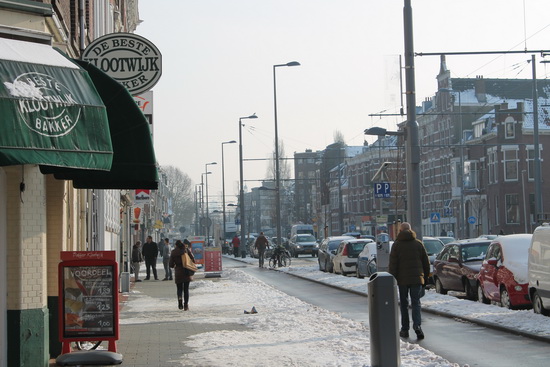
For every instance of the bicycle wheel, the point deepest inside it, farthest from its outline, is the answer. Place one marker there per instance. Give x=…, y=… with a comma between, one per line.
x=87, y=345
x=287, y=260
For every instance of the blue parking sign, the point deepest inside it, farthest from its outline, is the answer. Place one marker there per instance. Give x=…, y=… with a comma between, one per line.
x=382, y=190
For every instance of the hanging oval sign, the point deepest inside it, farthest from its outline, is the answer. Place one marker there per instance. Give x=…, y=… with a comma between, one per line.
x=130, y=59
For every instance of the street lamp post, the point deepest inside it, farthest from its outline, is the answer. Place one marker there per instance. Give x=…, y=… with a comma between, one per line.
x=207, y=214
x=223, y=189
x=277, y=170
x=241, y=192
x=197, y=200
x=203, y=231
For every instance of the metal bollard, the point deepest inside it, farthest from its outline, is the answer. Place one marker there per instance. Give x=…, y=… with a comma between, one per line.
x=383, y=320
x=125, y=282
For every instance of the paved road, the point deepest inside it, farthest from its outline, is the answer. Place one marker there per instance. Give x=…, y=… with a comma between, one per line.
x=457, y=341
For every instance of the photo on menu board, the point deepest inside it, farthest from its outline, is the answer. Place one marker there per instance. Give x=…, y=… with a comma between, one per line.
x=88, y=301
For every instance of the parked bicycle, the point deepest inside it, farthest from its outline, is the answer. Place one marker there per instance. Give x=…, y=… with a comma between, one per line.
x=279, y=258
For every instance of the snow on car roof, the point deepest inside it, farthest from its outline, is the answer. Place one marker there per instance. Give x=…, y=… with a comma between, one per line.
x=515, y=250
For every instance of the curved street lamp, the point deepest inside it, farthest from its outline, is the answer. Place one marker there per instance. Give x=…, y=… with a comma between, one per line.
x=241, y=182
x=223, y=189
x=207, y=215
x=277, y=169
x=203, y=231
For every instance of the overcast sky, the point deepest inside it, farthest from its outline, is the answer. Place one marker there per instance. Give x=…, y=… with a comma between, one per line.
x=218, y=58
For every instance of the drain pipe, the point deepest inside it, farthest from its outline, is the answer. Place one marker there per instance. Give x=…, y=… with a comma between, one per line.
x=82, y=27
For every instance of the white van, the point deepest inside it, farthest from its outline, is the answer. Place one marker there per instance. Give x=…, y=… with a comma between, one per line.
x=539, y=270
x=302, y=229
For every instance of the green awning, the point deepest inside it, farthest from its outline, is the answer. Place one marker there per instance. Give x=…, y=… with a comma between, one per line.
x=134, y=163
x=51, y=113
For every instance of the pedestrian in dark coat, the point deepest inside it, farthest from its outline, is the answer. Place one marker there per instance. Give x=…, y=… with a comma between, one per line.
x=261, y=244
x=150, y=252
x=182, y=276
x=410, y=265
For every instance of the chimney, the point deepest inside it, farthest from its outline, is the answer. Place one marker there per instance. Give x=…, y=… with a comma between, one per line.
x=480, y=89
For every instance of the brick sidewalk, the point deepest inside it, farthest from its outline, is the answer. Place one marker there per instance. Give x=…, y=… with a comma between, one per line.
x=158, y=344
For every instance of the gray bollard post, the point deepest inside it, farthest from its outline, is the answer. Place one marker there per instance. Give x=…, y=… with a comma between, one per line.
x=383, y=320
x=125, y=282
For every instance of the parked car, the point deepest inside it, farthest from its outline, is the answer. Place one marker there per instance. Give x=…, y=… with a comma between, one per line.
x=538, y=270
x=303, y=244
x=503, y=274
x=352, y=234
x=433, y=247
x=456, y=267
x=327, y=250
x=345, y=260
x=368, y=236
x=366, y=268
x=446, y=240
x=488, y=236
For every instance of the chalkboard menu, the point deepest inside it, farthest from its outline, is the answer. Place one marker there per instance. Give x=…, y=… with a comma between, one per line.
x=88, y=301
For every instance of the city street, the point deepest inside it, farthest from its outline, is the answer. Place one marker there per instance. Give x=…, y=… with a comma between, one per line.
x=454, y=340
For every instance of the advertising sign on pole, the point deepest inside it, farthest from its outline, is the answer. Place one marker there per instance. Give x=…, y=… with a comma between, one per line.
x=212, y=260
x=88, y=297
x=197, y=247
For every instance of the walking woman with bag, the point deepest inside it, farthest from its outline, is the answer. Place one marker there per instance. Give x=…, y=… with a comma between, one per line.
x=182, y=276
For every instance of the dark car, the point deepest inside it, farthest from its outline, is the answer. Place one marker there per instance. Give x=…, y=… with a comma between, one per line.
x=327, y=250
x=457, y=266
x=303, y=244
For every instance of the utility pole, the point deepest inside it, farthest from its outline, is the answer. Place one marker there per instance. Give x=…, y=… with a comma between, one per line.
x=414, y=210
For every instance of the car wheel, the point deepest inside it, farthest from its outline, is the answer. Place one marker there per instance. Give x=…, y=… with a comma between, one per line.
x=439, y=287
x=480, y=296
x=505, y=298
x=471, y=294
x=538, y=307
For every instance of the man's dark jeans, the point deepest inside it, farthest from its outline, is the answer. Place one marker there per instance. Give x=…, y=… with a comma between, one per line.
x=151, y=263
x=414, y=291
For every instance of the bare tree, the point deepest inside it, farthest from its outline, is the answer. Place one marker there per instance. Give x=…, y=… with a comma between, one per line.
x=179, y=185
x=284, y=167
x=339, y=138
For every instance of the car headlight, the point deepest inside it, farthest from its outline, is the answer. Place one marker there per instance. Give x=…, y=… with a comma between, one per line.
x=298, y=246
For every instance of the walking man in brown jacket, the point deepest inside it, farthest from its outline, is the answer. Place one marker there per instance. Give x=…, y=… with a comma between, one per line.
x=410, y=265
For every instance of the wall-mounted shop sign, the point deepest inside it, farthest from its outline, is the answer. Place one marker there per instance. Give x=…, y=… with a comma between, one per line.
x=130, y=59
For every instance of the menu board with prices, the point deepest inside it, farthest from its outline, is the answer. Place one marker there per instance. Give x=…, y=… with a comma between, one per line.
x=88, y=301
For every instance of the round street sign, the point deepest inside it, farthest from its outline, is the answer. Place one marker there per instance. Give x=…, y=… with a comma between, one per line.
x=130, y=59
x=472, y=220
